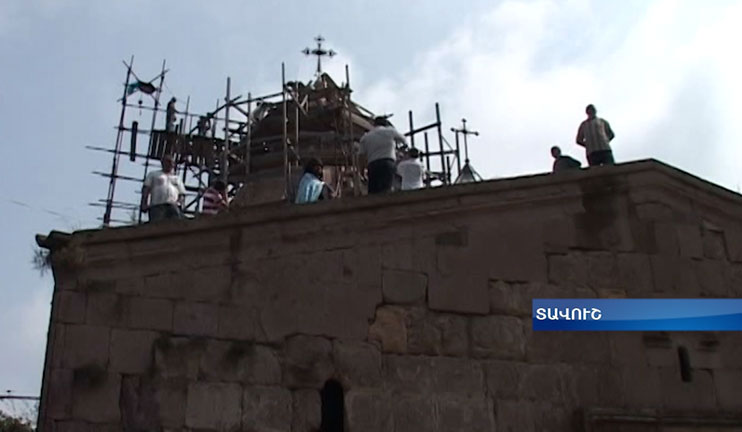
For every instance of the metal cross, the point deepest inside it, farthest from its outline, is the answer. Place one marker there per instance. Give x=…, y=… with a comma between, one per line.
x=464, y=131
x=319, y=52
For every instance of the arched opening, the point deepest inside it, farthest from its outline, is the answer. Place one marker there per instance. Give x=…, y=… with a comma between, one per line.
x=333, y=407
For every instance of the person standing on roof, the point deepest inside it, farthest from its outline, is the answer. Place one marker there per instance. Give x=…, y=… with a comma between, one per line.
x=562, y=162
x=595, y=134
x=379, y=146
x=215, y=199
x=163, y=194
x=170, y=115
x=411, y=170
x=311, y=187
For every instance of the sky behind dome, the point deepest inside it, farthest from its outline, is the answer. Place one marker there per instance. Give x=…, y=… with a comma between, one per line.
x=664, y=73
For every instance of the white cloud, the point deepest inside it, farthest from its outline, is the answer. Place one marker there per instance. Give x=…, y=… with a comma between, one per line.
x=665, y=78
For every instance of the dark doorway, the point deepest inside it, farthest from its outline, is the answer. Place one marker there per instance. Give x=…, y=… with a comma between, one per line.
x=333, y=407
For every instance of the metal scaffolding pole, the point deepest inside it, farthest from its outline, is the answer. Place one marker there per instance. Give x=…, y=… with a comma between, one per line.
x=158, y=93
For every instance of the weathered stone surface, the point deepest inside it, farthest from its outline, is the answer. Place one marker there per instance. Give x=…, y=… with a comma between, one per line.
x=307, y=362
x=96, y=398
x=306, y=411
x=635, y=274
x=239, y=362
x=436, y=334
x=171, y=397
x=733, y=242
x=161, y=285
x=178, y=357
x=390, y=329
x=641, y=386
x=456, y=413
x=266, y=409
x=209, y=284
x=674, y=276
x=420, y=374
x=568, y=270
x=456, y=285
x=105, y=308
x=239, y=322
x=666, y=239
x=498, y=337
x=214, y=406
x=358, y=364
x=413, y=413
x=85, y=345
x=602, y=271
x=540, y=382
x=575, y=347
x=696, y=395
x=627, y=349
x=713, y=244
x=689, y=239
x=514, y=416
x=151, y=314
x=69, y=307
x=368, y=411
x=728, y=384
x=60, y=396
x=711, y=278
x=132, y=352
x=198, y=319
x=404, y=287
x=502, y=378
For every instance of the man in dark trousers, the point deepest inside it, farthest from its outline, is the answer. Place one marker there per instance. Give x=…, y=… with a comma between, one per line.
x=595, y=135
x=563, y=163
x=379, y=146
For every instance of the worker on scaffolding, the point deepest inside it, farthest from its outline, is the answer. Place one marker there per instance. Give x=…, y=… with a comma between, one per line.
x=215, y=199
x=203, y=125
x=410, y=170
x=379, y=146
x=311, y=187
x=163, y=193
x=170, y=115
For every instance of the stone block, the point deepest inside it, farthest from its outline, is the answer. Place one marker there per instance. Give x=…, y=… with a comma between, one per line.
x=178, y=357
x=210, y=284
x=59, y=394
x=602, y=271
x=389, y=328
x=162, y=285
x=130, y=286
x=456, y=284
x=214, y=406
x=733, y=242
x=733, y=276
x=307, y=362
x=358, y=364
x=697, y=395
x=568, y=270
x=69, y=307
x=499, y=337
x=306, y=411
x=151, y=314
x=239, y=361
x=462, y=376
x=413, y=412
x=437, y=334
x=96, y=399
x=239, y=323
x=576, y=347
x=502, y=378
x=635, y=274
x=195, y=319
x=106, y=308
x=711, y=278
x=689, y=240
x=665, y=239
x=509, y=298
x=404, y=287
x=409, y=374
x=457, y=413
x=266, y=409
x=171, y=396
x=641, y=386
x=714, y=246
x=132, y=351
x=540, y=382
x=728, y=383
x=514, y=416
x=627, y=349
x=510, y=250
x=674, y=276
x=368, y=411
x=363, y=264
x=85, y=345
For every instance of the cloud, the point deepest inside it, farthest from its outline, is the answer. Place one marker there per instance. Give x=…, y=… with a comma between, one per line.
x=523, y=73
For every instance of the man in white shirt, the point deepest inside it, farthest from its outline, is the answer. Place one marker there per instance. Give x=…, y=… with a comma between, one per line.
x=163, y=193
x=595, y=134
x=411, y=170
x=379, y=146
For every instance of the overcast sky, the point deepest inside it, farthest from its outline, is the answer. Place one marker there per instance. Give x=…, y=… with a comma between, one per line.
x=664, y=73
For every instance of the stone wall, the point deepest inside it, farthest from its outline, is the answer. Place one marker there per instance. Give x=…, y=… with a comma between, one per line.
x=417, y=303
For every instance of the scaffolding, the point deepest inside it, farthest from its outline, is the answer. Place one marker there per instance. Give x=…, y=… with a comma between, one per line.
x=255, y=144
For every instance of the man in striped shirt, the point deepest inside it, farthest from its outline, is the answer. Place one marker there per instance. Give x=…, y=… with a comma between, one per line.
x=215, y=199
x=595, y=134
